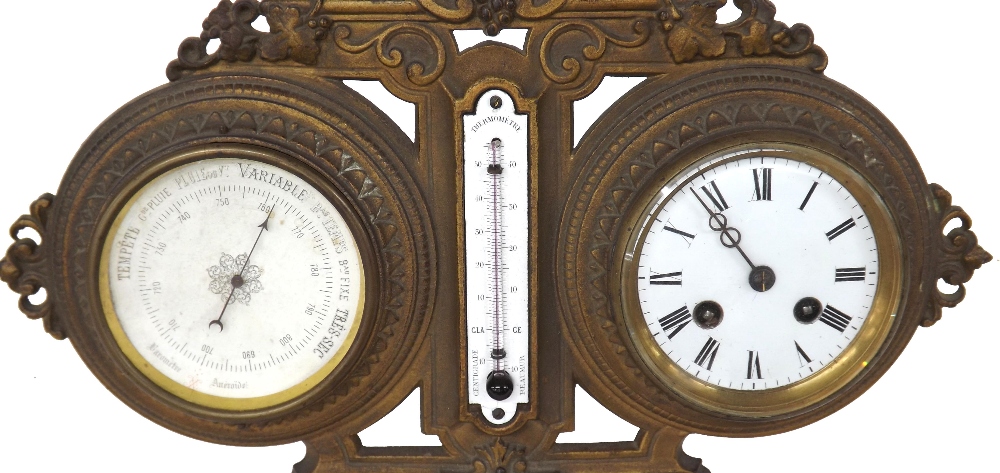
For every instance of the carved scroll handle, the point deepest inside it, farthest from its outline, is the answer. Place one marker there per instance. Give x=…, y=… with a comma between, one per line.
x=25, y=267
x=959, y=255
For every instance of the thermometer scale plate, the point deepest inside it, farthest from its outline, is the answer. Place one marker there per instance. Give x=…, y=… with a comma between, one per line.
x=496, y=235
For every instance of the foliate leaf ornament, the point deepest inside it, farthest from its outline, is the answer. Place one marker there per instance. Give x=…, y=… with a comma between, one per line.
x=295, y=35
x=500, y=457
x=292, y=35
x=959, y=255
x=693, y=32
x=757, y=42
x=225, y=22
x=23, y=268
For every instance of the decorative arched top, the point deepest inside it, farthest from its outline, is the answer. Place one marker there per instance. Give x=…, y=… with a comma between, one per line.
x=300, y=35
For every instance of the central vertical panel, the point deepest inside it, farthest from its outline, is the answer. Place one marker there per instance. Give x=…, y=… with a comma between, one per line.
x=496, y=172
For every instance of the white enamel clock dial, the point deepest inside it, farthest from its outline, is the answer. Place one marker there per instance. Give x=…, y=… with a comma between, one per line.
x=496, y=238
x=757, y=270
x=232, y=283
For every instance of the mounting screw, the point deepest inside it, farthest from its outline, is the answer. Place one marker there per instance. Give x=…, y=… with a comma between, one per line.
x=496, y=102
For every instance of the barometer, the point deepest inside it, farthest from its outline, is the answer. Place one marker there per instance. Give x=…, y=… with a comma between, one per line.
x=278, y=302
x=256, y=254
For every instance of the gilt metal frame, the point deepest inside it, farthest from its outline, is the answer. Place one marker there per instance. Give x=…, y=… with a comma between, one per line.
x=711, y=85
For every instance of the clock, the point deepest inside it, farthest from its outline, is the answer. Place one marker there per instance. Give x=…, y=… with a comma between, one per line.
x=900, y=410
x=734, y=280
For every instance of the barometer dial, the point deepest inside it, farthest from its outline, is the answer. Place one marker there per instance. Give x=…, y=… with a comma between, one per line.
x=761, y=279
x=232, y=283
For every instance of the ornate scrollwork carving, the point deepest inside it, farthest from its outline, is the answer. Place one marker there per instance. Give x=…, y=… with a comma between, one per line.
x=569, y=67
x=420, y=71
x=464, y=9
x=692, y=32
x=959, y=255
x=295, y=34
x=23, y=267
x=500, y=457
x=538, y=10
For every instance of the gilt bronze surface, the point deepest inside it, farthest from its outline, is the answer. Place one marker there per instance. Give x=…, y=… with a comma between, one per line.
x=710, y=85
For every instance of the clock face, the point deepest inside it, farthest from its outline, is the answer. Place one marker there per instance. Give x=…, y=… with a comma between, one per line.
x=761, y=270
x=232, y=283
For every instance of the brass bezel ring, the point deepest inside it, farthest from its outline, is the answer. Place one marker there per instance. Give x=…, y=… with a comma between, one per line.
x=803, y=393
x=171, y=390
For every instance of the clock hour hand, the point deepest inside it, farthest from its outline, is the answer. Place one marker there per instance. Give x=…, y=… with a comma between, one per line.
x=761, y=278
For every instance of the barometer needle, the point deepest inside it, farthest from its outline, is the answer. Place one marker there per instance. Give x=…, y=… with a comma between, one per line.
x=237, y=280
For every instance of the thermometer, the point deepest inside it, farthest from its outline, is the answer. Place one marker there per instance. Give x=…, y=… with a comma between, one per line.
x=496, y=236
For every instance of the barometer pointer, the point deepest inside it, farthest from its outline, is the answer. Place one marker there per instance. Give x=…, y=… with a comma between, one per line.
x=237, y=280
x=761, y=278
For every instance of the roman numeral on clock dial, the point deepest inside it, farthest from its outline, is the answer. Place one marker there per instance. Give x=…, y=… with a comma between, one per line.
x=707, y=354
x=803, y=357
x=669, y=279
x=840, y=229
x=808, y=196
x=753, y=365
x=835, y=318
x=762, y=184
x=685, y=235
x=675, y=321
x=849, y=274
x=715, y=195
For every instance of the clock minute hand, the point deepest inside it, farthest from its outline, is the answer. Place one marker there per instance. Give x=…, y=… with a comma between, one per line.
x=762, y=278
x=720, y=223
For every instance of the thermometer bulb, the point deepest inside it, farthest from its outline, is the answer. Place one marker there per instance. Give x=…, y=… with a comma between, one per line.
x=499, y=385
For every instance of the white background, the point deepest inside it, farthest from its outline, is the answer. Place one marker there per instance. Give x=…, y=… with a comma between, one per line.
x=929, y=68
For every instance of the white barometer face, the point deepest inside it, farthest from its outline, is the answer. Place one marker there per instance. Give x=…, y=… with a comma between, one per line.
x=232, y=283
x=759, y=269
